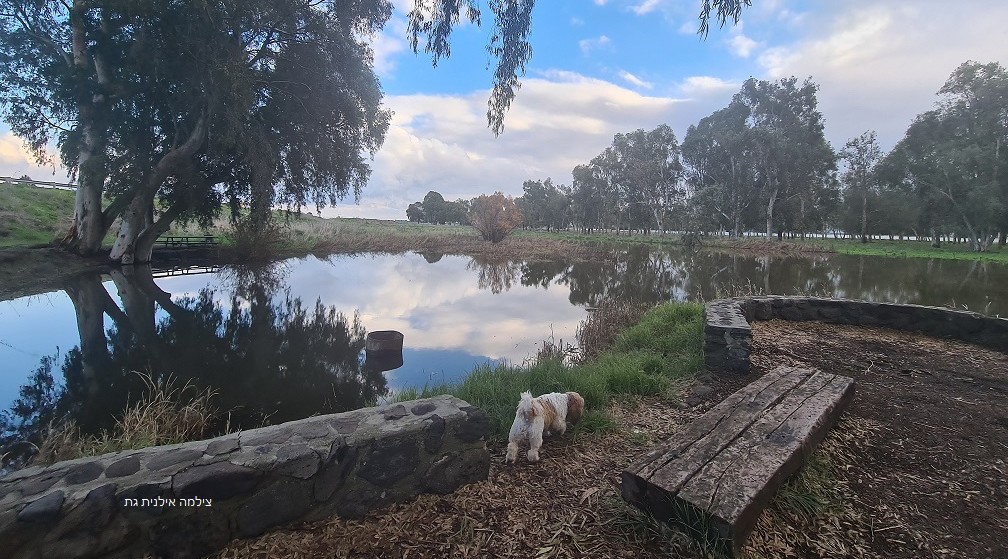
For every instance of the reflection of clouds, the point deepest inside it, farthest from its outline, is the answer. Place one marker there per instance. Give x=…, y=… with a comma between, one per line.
x=438, y=306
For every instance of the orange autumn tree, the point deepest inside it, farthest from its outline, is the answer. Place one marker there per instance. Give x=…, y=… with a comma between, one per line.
x=494, y=216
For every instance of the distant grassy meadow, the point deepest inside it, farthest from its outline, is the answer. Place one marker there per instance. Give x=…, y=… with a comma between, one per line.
x=36, y=217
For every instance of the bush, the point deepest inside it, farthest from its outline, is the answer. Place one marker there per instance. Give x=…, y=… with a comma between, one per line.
x=494, y=216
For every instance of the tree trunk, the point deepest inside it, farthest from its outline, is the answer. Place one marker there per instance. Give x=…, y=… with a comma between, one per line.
x=769, y=214
x=1001, y=239
x=88, y=227
x=936, y=242
x=864, y=216
x=136, y=220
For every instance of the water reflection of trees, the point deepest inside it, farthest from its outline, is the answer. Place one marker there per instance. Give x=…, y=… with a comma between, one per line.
x=653, y=275
x=494, y=273
x=269, y=357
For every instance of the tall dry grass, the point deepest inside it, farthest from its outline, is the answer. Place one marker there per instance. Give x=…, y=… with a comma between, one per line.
x=599, y=330
x=164, y=414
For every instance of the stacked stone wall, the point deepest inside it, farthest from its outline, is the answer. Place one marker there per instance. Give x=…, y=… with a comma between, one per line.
x=189, y=499
x=728, y=333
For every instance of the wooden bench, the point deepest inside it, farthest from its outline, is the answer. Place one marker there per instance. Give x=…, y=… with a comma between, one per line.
x=715, y=476
x=184, y=242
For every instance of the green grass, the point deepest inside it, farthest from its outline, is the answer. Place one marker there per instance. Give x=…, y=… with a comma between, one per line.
x=31, y=216
x=646, y=359
x=911, y=249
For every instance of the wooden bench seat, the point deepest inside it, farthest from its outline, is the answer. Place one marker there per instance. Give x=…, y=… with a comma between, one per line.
x=714, y=477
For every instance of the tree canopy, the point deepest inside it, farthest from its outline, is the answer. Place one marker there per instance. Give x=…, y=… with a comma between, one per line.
x=170, y=111
x=953, y=155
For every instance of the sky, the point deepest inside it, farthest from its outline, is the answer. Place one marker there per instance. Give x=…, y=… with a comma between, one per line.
x=602, y=67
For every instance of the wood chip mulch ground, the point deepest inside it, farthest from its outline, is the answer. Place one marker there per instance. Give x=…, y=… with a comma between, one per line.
x=917, y=468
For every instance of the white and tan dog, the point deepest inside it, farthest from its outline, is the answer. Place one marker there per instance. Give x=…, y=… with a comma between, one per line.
x=536, y=417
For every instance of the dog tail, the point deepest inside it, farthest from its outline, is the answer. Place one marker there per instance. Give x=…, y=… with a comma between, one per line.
x=575, y=407
x=525, y=405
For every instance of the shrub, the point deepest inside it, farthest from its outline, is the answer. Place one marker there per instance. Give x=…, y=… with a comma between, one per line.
x=494, y=216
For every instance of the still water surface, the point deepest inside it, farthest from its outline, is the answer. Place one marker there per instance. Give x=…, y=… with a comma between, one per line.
x=286, y=341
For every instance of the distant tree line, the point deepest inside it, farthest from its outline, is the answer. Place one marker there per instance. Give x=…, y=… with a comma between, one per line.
x=495, y=216
x=762, y=164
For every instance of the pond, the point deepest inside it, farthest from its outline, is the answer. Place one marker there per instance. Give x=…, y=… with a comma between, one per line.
x=286, y=341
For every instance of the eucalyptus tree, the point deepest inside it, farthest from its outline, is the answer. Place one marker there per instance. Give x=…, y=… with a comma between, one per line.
x=415, y=212
x=193, y=103
x=197, y=103
x=862, y=155
x=587, y=202
x=955, y=155
x=791, y=153
x=718, y=155
x=649, y=169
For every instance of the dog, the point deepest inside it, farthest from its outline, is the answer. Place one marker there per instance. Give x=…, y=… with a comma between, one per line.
x=540, y=416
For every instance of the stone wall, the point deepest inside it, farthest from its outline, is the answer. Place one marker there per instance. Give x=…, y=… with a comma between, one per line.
x=728, y=335
x=187, y=500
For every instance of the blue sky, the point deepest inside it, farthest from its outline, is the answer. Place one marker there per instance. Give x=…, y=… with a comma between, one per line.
x=601, y=67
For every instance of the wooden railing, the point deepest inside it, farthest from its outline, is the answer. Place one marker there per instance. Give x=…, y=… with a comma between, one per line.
x=186, y=242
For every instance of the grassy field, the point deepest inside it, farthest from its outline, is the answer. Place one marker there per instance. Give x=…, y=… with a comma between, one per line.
x=36, y=217
x=910, y=249
x=31, y=217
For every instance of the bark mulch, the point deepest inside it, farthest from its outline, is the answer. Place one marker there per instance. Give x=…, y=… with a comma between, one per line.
x=915, y=469
x=931, y=472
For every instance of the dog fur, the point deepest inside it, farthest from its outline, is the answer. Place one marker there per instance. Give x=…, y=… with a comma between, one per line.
x=536, y=417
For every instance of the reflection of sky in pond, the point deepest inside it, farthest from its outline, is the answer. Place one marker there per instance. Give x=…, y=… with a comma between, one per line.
x=449, y=323
x=31, y=328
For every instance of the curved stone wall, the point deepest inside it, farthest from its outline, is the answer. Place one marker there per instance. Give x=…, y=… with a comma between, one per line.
x=728, y=334
x=189, y=499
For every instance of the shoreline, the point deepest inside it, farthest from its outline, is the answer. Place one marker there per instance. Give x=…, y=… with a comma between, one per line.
x=37, y=269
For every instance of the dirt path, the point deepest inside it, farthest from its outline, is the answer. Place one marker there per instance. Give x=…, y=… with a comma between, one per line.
x=918, y=470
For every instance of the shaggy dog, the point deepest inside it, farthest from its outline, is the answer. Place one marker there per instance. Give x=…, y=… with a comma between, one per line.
x=543, y=415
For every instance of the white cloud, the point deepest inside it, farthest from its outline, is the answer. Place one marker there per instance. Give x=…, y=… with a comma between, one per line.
x=634, y=80
x=739, y=44
x=588, y=45
x=576, y=21
x=12, y=150
x=705, y=85
x=600, y=2
x=689, y=27
x=645, y=7
x=16, y=160
x=387, y=44
x=560, y=119
x=880, y=64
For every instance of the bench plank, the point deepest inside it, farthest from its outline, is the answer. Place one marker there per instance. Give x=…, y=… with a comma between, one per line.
x=717, y=475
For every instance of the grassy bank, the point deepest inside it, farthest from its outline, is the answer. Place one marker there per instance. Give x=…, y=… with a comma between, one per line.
x=910, y=249
x=31, y=216
x=657, y=355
